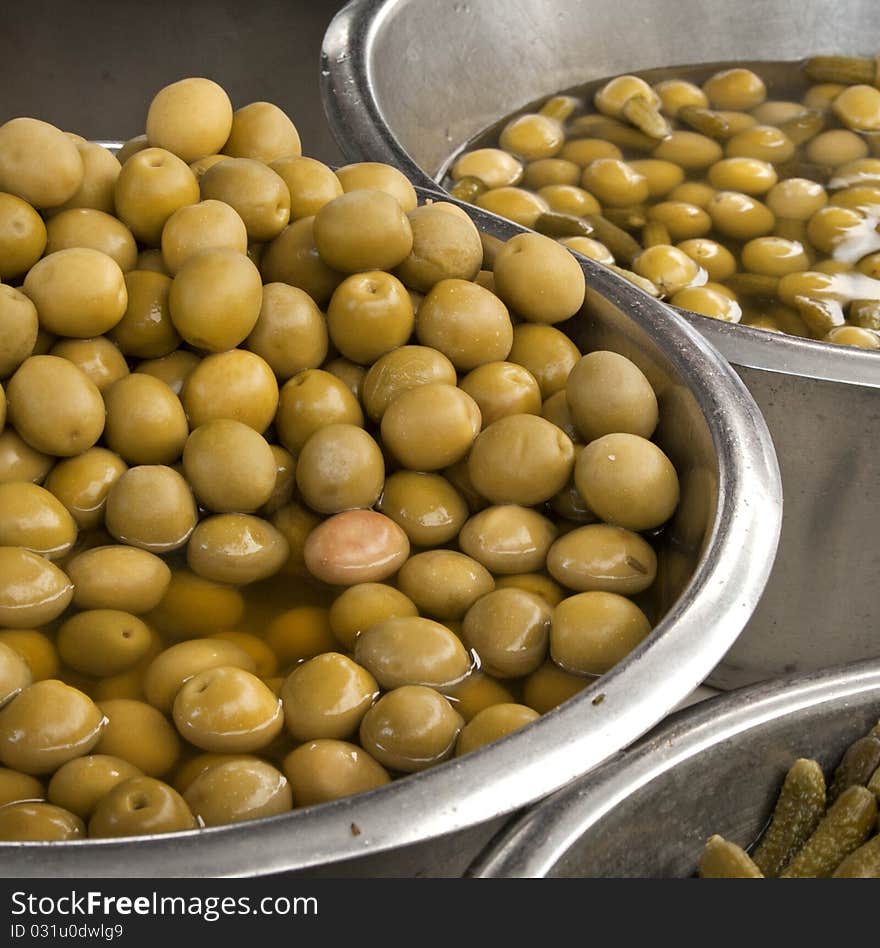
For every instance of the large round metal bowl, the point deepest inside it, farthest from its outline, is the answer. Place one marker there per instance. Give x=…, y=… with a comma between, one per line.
x=715, y=560
x=716, y=768
x=409, y=81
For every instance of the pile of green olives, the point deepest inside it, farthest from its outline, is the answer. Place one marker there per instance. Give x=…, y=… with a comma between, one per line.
x=302, y=488
x=748, y=199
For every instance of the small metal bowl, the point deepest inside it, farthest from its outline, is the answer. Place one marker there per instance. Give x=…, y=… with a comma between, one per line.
x=716, y=768
x=715, y=559
x=410, y=81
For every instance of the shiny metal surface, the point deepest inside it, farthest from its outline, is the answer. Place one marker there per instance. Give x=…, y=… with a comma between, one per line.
x=715, y=768
x=409, y=81
x=714, y=563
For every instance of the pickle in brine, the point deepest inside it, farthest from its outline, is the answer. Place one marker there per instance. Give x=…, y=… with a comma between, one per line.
x=864, y=863
x=796, y=815
x=722, y=859
x=842, y=830
x=861, y=759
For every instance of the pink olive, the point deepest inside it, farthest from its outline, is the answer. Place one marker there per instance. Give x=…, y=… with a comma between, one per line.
x=356, y=546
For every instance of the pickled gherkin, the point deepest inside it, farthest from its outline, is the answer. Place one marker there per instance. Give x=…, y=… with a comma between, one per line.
x=722, y=859
x=842, y=831
x=795, y=817
x=864, y=863
x=858, y=764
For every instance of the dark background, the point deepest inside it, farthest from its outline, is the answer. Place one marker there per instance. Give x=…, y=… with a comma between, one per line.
x=92, y=66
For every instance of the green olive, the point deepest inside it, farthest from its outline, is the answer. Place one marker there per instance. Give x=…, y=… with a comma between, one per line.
x=549, y=686
x=369, y=314
x=237, y=384
x=740, y=216
x=444, y=584
x=191, y=118
x=262, y=131
x=173, y=369
x=175, y=665
x=33, y=518
x=493, y=166
x=327, y=697
x=311, y=400
x=292, y=257
x=140, y=806
x=146, y=423
x=737, y=88
x=81, y=783
x=541, y=173
x=118, y=577
x=227, y=709
x=491, y=724
x=48, y=724
x=601, y=557
x=311, y=184
x=98, y=359
x=539, y=279
x=532, y=136
x=377, y=176
x=430, y=426
x=17, y=787
x=718, y=262
x=410, y=729
x=210, y=224
x=324, y=770
x=508, y=539
x=426, y=506
x=465, y=322
x=547, y=353
x=516, y=204
x=215, y=299
x=139, y=734
x=502, y=388
x=410, y=650
x=103, y=642
x=360, y=607
x=836, y=147
x=25, y=822
x=22, y=236
x=593, y=631
x=229, y=466
x=236, y=548
x=401, y=369
x=35, y=591
x=235, y=790
x=521, y=459
x=690, y=150
x=628, y=481
x=151, y=186
x=20, y=326
x=15, y=674
x=88, y=227
x=363, y=230
x=38, y=163
x=163, y=525
x=290, y=332
x=340, y=468
x=82, y=484
x=606, y=392
x=509, y=630
x=445, y=246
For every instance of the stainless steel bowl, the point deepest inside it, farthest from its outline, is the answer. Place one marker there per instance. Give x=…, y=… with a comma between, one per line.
x=409, y=81
x=715, y=768
x=715, y=560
